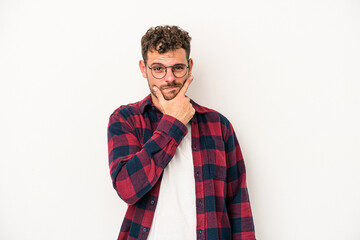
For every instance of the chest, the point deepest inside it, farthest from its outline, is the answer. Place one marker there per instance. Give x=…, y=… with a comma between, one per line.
x=206, y=140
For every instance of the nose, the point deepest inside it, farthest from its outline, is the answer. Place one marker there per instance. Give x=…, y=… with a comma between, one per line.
x=169, y=76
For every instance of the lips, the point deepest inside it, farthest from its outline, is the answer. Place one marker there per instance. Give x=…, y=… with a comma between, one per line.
x=170, y=88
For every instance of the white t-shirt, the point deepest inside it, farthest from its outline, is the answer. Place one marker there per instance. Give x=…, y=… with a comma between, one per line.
x=175, y=213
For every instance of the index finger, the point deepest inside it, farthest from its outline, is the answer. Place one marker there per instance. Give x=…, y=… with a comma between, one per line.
x=186, y=85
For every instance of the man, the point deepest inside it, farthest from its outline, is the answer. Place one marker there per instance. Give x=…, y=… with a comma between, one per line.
x=177, y=165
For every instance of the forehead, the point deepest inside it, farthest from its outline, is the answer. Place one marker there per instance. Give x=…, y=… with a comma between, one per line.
x=170, y=57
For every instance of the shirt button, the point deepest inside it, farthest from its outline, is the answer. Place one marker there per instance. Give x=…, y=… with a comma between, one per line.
x=152, y=202
x=200, y=231
x=194, y=147
x=197, y=174
x=144, y=229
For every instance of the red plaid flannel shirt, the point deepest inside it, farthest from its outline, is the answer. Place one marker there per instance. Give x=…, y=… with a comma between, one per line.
x=142, y=141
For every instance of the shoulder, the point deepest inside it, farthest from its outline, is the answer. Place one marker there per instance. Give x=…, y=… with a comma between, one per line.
x=132, y=109
x=208, y=115
x=214, y=120
x=125, y=111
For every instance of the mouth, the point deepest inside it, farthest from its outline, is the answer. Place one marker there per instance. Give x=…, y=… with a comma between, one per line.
x=170, y=88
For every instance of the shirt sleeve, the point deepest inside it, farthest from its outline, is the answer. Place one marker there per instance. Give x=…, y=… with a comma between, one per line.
x=134, y=167
x=238, y=204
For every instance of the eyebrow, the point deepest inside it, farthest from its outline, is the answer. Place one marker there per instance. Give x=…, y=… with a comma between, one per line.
x=164, y=65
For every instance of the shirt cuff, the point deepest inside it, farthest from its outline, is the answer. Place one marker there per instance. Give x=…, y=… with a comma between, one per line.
x=172, y=127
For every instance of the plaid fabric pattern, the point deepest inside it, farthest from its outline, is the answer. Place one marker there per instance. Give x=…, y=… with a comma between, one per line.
x=142, y=141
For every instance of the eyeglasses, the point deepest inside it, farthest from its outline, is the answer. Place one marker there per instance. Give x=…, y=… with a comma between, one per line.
x=159, y=71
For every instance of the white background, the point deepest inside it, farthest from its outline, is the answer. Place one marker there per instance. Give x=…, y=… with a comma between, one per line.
x=285, y=73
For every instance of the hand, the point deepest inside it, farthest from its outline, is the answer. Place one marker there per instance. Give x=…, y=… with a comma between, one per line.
x=178, y=107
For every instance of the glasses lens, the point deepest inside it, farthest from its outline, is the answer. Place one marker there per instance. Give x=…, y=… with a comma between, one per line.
x=158, y=70
x=179, y=70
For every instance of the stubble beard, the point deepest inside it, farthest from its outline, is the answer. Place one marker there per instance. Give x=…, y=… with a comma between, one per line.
x=172, y=94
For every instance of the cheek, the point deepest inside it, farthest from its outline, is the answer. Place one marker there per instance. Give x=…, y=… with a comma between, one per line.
x=183, y=81
x=153, y=83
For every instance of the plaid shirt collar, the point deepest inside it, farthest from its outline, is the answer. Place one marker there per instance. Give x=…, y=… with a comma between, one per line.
x=148, y=102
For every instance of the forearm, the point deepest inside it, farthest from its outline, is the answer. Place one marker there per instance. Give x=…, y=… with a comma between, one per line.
x=240, y=214
x=238, y=204
x=134, y=173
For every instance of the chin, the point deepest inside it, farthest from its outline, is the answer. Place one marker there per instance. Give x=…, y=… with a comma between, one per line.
x=170, y=96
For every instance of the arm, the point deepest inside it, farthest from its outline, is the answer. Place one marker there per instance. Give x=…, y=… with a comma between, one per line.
x=134, y=168
x=238, y=205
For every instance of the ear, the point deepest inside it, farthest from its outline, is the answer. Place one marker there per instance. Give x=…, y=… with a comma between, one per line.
x=191, y=63
x=143, y=68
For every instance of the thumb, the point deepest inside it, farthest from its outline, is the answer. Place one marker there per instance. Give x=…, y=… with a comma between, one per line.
x=157, y=93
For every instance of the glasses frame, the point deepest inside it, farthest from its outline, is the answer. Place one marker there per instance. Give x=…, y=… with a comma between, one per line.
x=166, y=67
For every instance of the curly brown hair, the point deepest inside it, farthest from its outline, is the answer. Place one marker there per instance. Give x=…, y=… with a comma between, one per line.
x=163, y=39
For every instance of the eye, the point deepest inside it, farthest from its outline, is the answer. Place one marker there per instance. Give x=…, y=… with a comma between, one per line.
x=179, y=67
x=158, y=68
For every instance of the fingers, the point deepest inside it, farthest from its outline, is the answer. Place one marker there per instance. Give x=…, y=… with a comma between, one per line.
x=158, y=94
x=186, y=85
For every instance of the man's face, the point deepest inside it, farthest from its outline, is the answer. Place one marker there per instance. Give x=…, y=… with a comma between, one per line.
x=169, y=85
